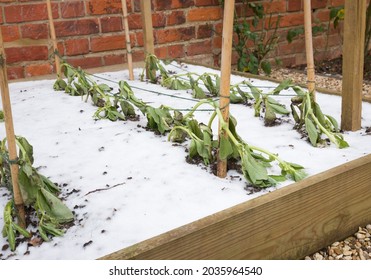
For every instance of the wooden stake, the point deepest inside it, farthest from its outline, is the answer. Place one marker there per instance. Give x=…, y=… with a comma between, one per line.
x=149, y=48
x=53, y=37
x=225, y=80
x=353, y=60
x=127, y=38
x=12, y=148
x=311, y=81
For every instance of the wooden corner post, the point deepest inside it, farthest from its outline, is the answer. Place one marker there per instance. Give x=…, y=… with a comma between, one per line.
x=53, y=38
x=9, y=128
x=311, y=82
x=225, y=80
x=146, y=11
x=353, y=61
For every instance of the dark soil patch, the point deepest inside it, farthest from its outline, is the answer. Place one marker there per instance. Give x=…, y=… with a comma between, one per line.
x=334, y=67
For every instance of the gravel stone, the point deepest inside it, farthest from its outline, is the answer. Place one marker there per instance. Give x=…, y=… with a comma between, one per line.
x=356, y=247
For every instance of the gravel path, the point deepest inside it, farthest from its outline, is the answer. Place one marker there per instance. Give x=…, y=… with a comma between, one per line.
x=328, y=82
x=356, y=247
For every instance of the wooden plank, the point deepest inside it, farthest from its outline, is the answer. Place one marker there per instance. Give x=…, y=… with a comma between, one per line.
x=10, y=136
x=288, y=223
x=225, y=77
x=311, y=81
x=146, y=12
x=353, y=56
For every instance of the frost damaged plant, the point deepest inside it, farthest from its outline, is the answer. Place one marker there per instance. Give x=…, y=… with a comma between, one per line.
x=255, y=161
x=38, y=193
x=309, y=117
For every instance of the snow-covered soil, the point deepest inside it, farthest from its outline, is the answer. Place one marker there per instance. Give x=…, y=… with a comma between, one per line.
x=125, y=184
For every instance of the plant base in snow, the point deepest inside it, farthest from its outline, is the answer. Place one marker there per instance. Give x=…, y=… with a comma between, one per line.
x=38, y=193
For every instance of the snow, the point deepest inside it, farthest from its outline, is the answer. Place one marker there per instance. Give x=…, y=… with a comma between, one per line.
x=133, y=184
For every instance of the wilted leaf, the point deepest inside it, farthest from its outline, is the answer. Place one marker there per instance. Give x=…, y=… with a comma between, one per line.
x=312, y=131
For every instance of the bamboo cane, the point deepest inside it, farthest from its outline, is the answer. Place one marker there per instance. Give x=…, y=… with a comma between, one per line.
x=127, y=38
x=53, y=38
x=311, y=83
x=149, y=48
x=225, y=80
x=9, y=128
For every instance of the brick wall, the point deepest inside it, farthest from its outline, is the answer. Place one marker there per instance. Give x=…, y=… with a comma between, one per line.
x=90, y=32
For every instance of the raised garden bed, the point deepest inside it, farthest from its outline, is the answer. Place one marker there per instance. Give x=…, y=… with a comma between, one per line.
x=127, y=184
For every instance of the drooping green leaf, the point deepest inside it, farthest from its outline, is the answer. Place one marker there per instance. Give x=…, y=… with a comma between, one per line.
x=127, y=108
x=279, y=109
x=333, y=122
x=26, y=149
x=225, y=148
x=312, y=131
x=285, y=84
x=54, y=207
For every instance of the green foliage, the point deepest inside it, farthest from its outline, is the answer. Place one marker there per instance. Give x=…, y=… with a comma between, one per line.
x=38, y=193
x=252, y=32
x=1, y=116
x=310, y=118
x=207, y=85
x=254, y=160
x=336, y=15
x=296, y=32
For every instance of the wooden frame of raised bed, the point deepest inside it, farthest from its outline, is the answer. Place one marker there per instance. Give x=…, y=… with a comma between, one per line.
x=288, y=223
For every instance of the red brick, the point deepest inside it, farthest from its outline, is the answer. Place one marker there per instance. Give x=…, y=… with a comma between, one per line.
x=158, y=20
x=108, y=43
x=35, y=31
x=139, y=40
x=100, y=7
x=297, y=46
x=1, y=15
x=323, y=15
x=114, y=59
x=76, y=27
x=336, y=3
x=275, y=7
x=138, y=55
x=111, y=24
x=290, y=20
x=176, y=51
x=217, y=42
x=294, y=5
x=10, y=33
x=176, y=34
x=30, y=53
x=175, y=18
x=172, y=4
x=202, y=47
x=29, y=12
x=206, y=2
x=161, y=52
x=86, y=62
x=288, y=60
x=318, y=4
x=15, y=72
x=38, y=69
x=204, y=14
x=204, y=31
x=135, y=21
x=77, y=46
x=72, y=9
